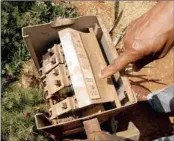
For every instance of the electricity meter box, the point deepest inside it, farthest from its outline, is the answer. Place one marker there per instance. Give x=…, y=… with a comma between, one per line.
x=69, y=55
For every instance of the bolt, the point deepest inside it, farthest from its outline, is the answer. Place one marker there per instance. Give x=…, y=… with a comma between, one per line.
x=56, y=72
x=44, y=82
x=58, y=83
x=64, y=105
x=69, y=79
x=50, y=51
x=53, y=60
x=75, y=99
x=40, y=71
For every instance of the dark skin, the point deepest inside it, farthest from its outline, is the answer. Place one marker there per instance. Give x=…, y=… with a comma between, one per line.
x=148, y=38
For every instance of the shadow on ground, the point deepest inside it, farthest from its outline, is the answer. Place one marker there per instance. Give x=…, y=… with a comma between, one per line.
x=152, y=125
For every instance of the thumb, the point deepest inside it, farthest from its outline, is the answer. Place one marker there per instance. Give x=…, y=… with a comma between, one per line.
x=118, y=64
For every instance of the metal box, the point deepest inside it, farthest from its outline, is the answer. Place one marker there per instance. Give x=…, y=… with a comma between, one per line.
x=69, y=54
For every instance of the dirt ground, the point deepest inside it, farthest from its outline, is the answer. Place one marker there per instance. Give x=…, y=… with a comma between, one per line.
x=153, y=77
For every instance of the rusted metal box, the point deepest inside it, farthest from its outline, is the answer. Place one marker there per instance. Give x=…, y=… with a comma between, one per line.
x=69, y=54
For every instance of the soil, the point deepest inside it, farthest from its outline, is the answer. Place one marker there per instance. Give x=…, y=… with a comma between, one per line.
x=155, y=75
x=152, y=77
x=29, y=76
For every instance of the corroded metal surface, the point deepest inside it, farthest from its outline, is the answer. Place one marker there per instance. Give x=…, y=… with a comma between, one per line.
x=69, y=70
x=51, y=59
x=75, y=64
x=79, y=67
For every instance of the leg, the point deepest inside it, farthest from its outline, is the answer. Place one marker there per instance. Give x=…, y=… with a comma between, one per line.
x=163, y=100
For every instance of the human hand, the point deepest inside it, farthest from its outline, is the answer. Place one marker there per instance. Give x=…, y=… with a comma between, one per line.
x=148, y=38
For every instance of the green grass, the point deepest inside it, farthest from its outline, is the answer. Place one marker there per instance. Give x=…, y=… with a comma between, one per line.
x=14, y=16
x=19, y=105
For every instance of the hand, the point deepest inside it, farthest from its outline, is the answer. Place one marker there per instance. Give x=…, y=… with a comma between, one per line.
x=148, y=38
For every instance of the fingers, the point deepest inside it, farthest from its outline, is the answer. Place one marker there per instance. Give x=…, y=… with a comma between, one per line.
x=167, y=47
x=139, y=64
x=117, y=65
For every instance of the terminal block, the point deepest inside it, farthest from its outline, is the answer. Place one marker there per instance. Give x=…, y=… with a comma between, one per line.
x=69, y=55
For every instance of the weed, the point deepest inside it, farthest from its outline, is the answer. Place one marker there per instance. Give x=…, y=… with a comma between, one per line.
x=19, y=105
x=14, y=16
x=18, y=110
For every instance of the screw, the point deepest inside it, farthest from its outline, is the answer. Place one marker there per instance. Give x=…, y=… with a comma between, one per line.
x=56, y=72
x=58, y=83
x=40, y=71
x=64, y=105
x=53, y=60
x=44, y=82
